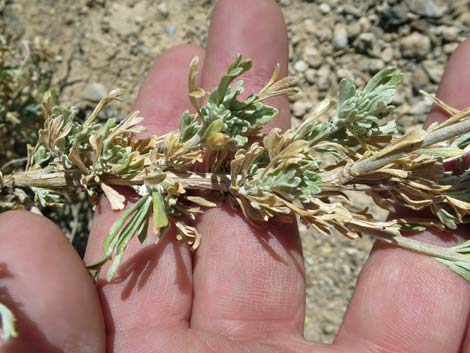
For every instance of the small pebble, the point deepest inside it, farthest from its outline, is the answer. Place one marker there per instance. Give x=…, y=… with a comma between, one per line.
x=94, y=92
x=324, y=8
x=340, y=37
x=310, y=76
x=312, y=56
x=163, y=9
x=449, y=48
x=324, y=74
x=299, y=108
x=428, y=8
x=387, y=54
x=415, y=45
x=450, y=34
x=170, y=29
x=433, y=70
x=300, y=66
x=375, y=65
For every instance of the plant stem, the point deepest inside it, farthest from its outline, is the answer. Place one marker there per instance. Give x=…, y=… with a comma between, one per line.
x=431, y=138
x=440, y=252
x=59, y=180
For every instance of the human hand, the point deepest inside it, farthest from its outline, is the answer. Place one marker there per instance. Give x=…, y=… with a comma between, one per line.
x=244, y=289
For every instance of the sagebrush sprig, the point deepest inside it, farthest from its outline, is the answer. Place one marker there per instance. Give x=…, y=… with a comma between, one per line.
x=271, y=176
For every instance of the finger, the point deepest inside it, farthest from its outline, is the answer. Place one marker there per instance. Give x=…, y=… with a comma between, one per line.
x=154, y=286
x=247, y=282
x=406, y=302
x=45, y=285
x=453, y=90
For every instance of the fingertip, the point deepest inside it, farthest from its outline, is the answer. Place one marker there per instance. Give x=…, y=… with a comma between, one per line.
x=11, y=221
x=455, y=83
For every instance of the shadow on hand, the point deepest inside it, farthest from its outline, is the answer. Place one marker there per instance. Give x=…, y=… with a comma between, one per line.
x=136, y=271
x=286, y=234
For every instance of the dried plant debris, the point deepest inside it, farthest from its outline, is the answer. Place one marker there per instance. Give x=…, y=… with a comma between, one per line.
x=268, y=176
x=26, y=71
x=8, y=323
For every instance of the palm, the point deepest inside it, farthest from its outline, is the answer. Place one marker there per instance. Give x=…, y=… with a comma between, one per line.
x=243, y=290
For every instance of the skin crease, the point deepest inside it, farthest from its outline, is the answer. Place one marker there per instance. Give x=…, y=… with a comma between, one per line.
x=244, y=289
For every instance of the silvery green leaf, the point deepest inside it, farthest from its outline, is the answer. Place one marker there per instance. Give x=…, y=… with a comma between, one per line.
x=240, y=117
x=237, y=68
x=160, y=218
x=114, y=266
x=347, y=89
x=214, y=127
x=462, y=141
x=189, y=126
x=447, y=218
x=386, y=80
x=46, y=197
x=136, y=225
x=359, y=110
x=112, y=237
x=459, y=267
x=41, y=155
x=444, y=152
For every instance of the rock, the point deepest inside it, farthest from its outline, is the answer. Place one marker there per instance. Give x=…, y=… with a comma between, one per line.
x=364, y=22
x=464, y=18
x=118, y=12
x=415, y=45
x=433, y=70
x=419, y=79
x=324, y=8
x=299, y=108
x=324, y=74
x=94, y=92
x=364, y=42
x=419, y=108
x=309, y=26
x=351, y=251
x=310, y=76
x=300, y=66
x=312, y=56
x=340, y=36
x=344, y=73
x=329, y=329
x=398, y=98
x=162, y=9
x=375, y=65
x=450, y=34
x=352, y=10
x=354, y=29
x=449, y=48
x=427, y=8
x=323, y=33
x=393, y=16
x=387, y=54
x=169, y=29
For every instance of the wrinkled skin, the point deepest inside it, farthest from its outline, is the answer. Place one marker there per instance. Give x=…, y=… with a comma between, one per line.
x=244, y=289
